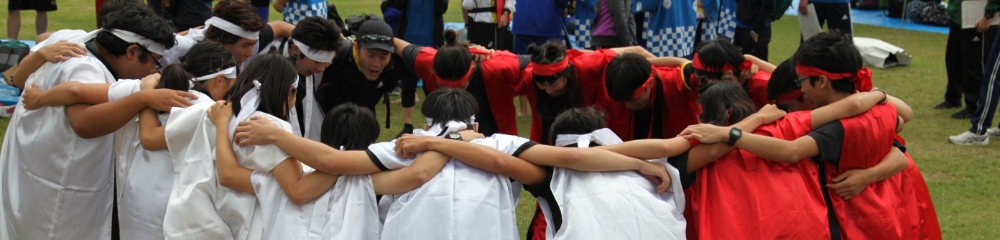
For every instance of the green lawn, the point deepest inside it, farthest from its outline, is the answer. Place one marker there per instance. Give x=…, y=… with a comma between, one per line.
x=961, y=179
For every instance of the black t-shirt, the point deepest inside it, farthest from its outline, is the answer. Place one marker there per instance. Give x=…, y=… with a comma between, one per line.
x=343, y=82
x=266, y=37
x=487, y=123
x=830, y=140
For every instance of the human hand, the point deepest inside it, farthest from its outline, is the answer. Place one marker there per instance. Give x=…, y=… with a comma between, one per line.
x=165, y=99
x=770, y=113
x=408, y=145
x=850, y=183
x=220, y=114
x=30, y=97
x=279, y=6
x=61, y=51
x=256, y=131
x=804, y=8
x=657, y=174
x=504, y=20
x=746, y=74
x=983, y=25
x=150, y=82
x=706, y=133
x=481, y=55
x=469, y=135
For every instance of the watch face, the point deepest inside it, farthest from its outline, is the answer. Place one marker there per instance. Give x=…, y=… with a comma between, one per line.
x=454, y=135
x=736, y=132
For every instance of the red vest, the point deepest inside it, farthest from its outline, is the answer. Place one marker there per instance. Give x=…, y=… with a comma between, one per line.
x=680, y=106
x=919, y=205
x=500, y=75
x=589, y=68
x=876, y=212
x=757, y=86
x=741, y=196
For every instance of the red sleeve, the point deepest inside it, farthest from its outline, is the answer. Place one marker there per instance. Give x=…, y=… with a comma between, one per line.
x=758, y=89
x=792, y=126
x=424, y=64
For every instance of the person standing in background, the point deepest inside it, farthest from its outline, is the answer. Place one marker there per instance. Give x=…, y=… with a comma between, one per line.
x=487, y=22
x=421, y=21
x=41, y=7
x=753, y=27
x=296, y=10
x=262, y=8
x=604, y=24
x=835, y=13
x=545, y=23
x=964, y=58
x=190, y=13
x=668, y=28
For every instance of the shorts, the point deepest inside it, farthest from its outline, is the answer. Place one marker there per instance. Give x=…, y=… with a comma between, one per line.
x=37, y=5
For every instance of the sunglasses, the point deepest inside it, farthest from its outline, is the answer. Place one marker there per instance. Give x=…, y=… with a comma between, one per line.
x=376, y=39
x=798, y=82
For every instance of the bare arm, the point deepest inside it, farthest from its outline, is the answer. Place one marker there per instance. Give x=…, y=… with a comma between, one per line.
x=852, y=182
x=761, y=64
x=115, y=114
x=486, y=158
x=650, y=148
x=403, y=180
x=56, y=52
x=152, y=135
x=260, y=131
x=230, y=173
x=902, y=108
x=634, y=49
x=281, y=29
x=853, y=105
x=779, y=150
x=703, y=154
x=400, y=44
x=301, y=189
x=66, y=94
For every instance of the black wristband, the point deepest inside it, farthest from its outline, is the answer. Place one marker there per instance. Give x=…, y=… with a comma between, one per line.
x=988, y=15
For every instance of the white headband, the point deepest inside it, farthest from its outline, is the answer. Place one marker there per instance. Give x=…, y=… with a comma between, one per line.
x=315, y=55
x=131, y=37
x=601, y=136
x=249, y=102
x=441, y=130
x=230, y=28
x=230, y=73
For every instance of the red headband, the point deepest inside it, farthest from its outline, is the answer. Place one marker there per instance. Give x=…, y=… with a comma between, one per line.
x=645, y=85
x=696, y=63
x=790, y=95
x=862, y=79
x=457, y=83
x=550, y=69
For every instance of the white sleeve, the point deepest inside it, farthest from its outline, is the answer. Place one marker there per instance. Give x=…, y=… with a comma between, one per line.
x=123, y=88
x=511, y=145
x=509, y=5
x=65, y=34
x=266, y=157
x=384, y=156
x=468, y=4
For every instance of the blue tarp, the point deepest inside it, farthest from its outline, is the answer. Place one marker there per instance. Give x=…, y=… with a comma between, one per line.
x=878, y=18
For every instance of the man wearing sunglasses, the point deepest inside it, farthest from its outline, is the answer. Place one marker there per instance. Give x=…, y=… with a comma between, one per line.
x=365, y=70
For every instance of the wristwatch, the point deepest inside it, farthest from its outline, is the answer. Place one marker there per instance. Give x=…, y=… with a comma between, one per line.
x=753, y=34
x=454, y=136
x=988, y=15
x=734, y=135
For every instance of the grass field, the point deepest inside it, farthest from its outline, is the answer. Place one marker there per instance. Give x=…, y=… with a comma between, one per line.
x=962, y=180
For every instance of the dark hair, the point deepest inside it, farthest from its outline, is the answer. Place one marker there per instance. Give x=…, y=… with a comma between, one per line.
x=625, y=74
x=275, y=74
x=317, y=33
x=581, y=120
x=725, y=103
x=716, y=54
x=237, y=12
x=139, y=20
x=114, y=6
x=549, y=106
x=205, y=57
x=449, y=104
x=350, y=126
x=782, y=80
x=831, y=52
x=453, y=59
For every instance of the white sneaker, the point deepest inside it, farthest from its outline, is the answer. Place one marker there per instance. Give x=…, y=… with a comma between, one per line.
x=993, y=132
x=969, y=138
x=6, y=111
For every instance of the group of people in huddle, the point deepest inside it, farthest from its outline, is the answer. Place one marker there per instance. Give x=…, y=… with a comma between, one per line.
x=230, y=131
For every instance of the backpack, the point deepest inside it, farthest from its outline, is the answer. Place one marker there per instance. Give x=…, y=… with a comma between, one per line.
x=896, y=9
x=780, y=7
x=333, y=15
x=933, y=14
x=354, y=22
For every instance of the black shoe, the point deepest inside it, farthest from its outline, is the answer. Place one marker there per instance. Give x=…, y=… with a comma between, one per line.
x=946, y=104
x=964, y=114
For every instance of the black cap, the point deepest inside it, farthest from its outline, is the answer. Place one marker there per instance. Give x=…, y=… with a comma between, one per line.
x=376, y=34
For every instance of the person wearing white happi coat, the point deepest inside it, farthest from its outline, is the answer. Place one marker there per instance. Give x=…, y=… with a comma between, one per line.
x=312, y=50
x=64, y=183
x=225, y=27
x=198, y=207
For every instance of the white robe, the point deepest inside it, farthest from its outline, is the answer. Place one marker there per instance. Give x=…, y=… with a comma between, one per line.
x=347, y=211
x=313, y=115
x=461, y=202
x=199, y=208
x=614, y=205
x=56, y=184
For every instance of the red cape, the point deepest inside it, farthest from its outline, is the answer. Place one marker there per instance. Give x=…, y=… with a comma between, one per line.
x=501, y=75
